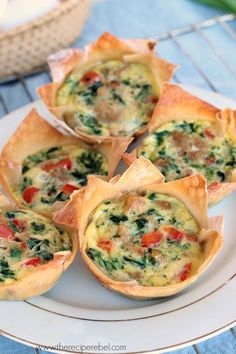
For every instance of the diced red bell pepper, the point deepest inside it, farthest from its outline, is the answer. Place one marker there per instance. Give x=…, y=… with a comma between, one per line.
x=65, y=163
x=174, y=234
x=151, y=238
x=5, y=231
x=105, y=245
x=185, y=272
x=32, y=261
x=90, y=77
x=69, y=188
x=23, y=245
x=29, y=193
x=20, y=224
x=208, y=134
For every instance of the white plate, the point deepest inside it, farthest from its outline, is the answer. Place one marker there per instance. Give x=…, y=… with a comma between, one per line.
x=78, y=314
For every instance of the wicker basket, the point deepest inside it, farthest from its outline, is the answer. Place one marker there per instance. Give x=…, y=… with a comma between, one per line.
x=26, y=48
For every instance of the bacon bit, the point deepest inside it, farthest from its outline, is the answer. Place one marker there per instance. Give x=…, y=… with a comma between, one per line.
x=23, y=245
x=90, y=77
x=163, y=204
x=65, y=163
x=174, y=234
x=210, y=160
x=29, y=194
x=105, y=245
x=194, y=155
x=5, y=231
x=180, y=139
x=214, y=186
x=208, y=134
x=151, y=238
x=192, y=238
x=20, y=224
x=69, y=188
x=154, y=99
x=185, y=272
x=199, y=143
x=188, y=172
x=32, y=262
x=114, y=83
x=161, y=163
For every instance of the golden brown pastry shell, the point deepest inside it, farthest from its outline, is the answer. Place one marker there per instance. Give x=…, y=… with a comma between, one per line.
x=107, y=47
x=177, y=104
x=43, y=277
x=142, y=175
x=35, y=134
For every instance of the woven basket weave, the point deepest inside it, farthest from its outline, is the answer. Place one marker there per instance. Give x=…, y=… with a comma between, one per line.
x=26, y=48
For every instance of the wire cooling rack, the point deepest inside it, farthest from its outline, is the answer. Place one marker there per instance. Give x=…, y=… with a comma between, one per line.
x=212, y=40
x=194, y=45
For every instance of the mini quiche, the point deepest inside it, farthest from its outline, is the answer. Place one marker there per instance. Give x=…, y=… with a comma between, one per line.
x=34, y=253
x=40, y=167
x=107, y=90
x=142, y=237
x=188, y=135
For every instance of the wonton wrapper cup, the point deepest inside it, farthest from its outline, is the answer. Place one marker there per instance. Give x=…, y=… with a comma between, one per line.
x=44, y=276
x=177, y=104
x=35, y=134
x=142, y=175
x=107, y=47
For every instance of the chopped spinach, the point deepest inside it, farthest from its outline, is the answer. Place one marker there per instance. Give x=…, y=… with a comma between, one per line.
x=25, y=168
x=141, y=223
x=152, y=196
x=109, y=265
x=26, y=182
x=10, y=214
x=71, y=84
x=47, y=200
x=5, y=270
x=46, y=256
x=36, y=243
x=90, y=92
x=118, y=98
x=49, y=152
x=118, y=218
x=90, y=122
x=15, y=252
x=151, y=211
x=13, y=226
x=136, y=262
x=160, y=136
x=144, y=92
x=221, y=175
x=62, y=197
x=92, y=160
x=81, y=177
x=38, y=227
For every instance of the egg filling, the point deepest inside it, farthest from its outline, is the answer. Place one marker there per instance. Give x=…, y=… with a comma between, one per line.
x=27, y=241
x=52, y=174
x=111, y=98
x=150, y=238
x=182, y=148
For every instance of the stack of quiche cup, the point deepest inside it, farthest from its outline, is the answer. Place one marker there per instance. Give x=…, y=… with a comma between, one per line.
x=145, y=233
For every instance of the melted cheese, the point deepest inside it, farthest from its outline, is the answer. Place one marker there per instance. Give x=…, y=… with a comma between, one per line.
x=34, y=241
x=181, y=148
x=117, y=101
x=79, y=163
x=152, y=239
